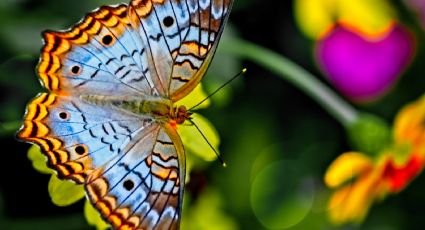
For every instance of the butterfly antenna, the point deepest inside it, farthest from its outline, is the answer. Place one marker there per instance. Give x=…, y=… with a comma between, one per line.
x=205, y=138
x=212, y=94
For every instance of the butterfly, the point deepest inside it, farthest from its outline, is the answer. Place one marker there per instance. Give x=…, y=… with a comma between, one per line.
x=108, y=119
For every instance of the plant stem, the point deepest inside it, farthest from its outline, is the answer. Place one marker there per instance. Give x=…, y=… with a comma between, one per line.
x=288, y=70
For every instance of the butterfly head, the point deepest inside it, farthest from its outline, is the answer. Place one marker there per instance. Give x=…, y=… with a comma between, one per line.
x=181, y=115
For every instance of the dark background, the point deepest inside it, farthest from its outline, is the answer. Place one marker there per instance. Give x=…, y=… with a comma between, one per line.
x=263, y=121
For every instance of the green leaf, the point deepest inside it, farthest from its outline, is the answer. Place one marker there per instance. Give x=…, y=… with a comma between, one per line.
x=8, y=128
x=223, y=97
x=189, y=167
x=207, y=213
x=193, y=140
x=64, y=193
x=194, y=97
x=93, y=217
x=39, y=160
x=282, y=207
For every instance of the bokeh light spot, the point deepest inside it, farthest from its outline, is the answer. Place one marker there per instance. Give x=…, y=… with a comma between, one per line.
x=281, y=197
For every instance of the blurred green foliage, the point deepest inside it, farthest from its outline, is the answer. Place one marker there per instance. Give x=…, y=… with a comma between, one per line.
x=370, y=134
x=276, y=141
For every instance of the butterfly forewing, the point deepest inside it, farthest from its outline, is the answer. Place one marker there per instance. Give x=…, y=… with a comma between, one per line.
x=100, y=55
x=182, y=38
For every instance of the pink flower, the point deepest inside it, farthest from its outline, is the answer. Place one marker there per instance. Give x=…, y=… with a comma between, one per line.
x=363, y=67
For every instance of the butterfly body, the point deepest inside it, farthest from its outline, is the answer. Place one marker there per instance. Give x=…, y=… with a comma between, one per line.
x=109, y=119
x=158, y=108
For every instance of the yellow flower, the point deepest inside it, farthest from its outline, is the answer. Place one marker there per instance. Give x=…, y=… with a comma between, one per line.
x=351, y=202
x=64, y=193
x=316, y=17
x=361, y=180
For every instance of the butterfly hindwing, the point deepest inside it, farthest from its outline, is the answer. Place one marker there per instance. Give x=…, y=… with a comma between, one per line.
x=143, y=187
x=75, y=136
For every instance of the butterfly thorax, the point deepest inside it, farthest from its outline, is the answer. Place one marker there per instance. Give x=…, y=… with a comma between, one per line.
x=159, y=108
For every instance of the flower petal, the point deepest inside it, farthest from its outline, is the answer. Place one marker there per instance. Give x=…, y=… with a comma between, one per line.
x=399, y=176
x=352, y=202
x=348, y=204
x=193, y=140
x=315, y=17
x=364, y=68
x=372, y=17
x=38, y=159
x=346, y=166
x=93, y=217
x=337, y=199
x=64, y=193
x=409, y=125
